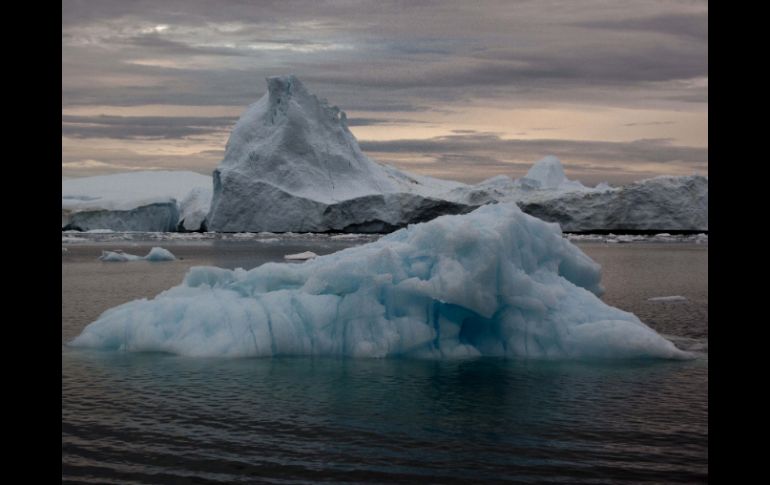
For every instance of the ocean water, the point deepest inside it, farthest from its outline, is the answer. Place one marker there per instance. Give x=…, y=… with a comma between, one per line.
x=155, y=418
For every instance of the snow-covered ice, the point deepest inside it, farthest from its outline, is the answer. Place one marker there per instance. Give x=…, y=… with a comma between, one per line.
x=664, y=202
x=493, y=282
x=155, y=254
x=292, y=164
x=137, y=201
x=301, y=256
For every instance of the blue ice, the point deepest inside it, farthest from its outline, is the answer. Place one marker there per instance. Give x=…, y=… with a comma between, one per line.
x=494, y=282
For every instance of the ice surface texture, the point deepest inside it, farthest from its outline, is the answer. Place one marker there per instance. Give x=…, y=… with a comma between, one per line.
x=493, y=282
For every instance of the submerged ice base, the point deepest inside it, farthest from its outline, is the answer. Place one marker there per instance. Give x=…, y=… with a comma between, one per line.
x=494, y=282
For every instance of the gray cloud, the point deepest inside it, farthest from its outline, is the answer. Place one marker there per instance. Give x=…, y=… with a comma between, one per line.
x=502, y=46
x=486, y=154
x=646, y=150
x=390, y=56
x=128, y=127
x=693, y=25
x=649, y=123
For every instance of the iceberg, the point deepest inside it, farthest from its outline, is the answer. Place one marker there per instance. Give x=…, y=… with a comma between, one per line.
x=494, y=282
x=548, y=174
x=162, y=201
x=668, y=298
x=675, y=203
x=292, y=165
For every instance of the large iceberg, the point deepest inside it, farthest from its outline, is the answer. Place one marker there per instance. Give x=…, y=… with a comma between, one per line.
x=137, y=201
x=664, y=203
x=292, y=164
x=495, y=282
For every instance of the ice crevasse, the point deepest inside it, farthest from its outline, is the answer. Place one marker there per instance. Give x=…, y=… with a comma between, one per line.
x=494, y=282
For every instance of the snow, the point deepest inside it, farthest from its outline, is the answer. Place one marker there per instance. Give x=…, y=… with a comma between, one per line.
x=292, y=165
x=493, y=282
x=301, y=256
x=155, y=254
x=668, y=298
x=548, y=174
x=139, y=201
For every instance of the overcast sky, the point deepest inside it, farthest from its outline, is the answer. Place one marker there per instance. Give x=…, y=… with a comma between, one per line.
x=618, y=90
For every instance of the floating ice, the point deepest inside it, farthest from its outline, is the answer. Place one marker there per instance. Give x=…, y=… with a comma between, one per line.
x=137, y=201
x=292, y=164
x=155, y=254
x=664, y=202
x=667, y=298
x=159, y=254
x=493, y=282
x=301, y=256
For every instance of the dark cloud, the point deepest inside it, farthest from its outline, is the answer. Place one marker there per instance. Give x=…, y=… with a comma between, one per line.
x=694, y=25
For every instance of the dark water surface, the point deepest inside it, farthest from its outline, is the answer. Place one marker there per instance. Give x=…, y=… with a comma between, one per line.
x=154, y=418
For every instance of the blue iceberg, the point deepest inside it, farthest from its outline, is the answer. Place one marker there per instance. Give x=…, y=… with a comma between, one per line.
x=494, y=282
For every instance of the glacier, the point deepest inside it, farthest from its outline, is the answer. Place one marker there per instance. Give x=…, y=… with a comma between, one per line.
x=494, y=282
x=163, y=201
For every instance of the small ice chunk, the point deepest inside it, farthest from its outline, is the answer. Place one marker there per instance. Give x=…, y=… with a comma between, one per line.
x=118, y=256
x=301, y=256
x=667, y=298
x=159, y=254
x=155, y=254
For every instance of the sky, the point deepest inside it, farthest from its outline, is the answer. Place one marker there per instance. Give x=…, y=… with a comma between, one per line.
x=618, y=91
